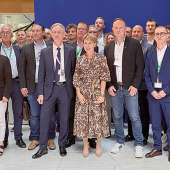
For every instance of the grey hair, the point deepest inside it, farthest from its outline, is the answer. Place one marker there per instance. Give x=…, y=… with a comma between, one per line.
x=58, y=24
x=48, y=30
x=94, y=26
x=8, y=26
x=101, y=19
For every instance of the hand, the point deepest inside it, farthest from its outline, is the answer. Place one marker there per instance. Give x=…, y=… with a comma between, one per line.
x=40, y=99
x=112, y=91
x=24, y=92
x=132, y=90
x=100, y=100
x=156, y=95
x=4, y=100
x=162, y=94
x=81, y=98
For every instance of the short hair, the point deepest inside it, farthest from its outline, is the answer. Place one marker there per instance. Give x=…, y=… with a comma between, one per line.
x=152, y=20
x=20, y=31
x=71, y=26
x=93, y=26
x=106, y=37
x=48, y=30
x=167, y=27
x=129, y=27
x=42, y=27
x=8, y=26
x=101, y=18
x=161, y=27
x=85, y=23
x=58, y=24
x=90, y=37
x=119, y=19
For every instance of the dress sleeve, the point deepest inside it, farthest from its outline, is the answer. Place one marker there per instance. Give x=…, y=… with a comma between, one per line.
x=76, y=77
x=104, y=70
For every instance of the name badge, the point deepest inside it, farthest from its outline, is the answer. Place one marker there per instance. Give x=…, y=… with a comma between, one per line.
x=158, y=85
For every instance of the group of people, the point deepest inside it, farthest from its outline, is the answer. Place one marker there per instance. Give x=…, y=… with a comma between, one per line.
x=83, y=75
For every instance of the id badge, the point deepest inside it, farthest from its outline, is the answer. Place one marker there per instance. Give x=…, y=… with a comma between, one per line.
x=59, y=71
x=62, y=72
x=117, y=63
x=158, y=85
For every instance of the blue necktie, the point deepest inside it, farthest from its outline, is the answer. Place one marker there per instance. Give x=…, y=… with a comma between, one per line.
x=57, y=77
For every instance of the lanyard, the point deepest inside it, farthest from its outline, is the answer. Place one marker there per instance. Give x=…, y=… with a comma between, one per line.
x=159, y=65
x=77, y=52
x=6, y=53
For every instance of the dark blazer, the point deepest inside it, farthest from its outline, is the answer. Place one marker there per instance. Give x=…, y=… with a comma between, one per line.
x=132, y=63
x=17, y=51
x=27, y=67
x=144, y=40
x=74, y=44
x=151, y=70
x=5, y=77
x=46, y=72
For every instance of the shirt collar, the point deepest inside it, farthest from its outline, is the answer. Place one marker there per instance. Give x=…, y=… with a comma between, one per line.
x=6, y=47
x=163, y=50
x=102, y=35
x=121, y=42
x=35, y=44
x=55, y=47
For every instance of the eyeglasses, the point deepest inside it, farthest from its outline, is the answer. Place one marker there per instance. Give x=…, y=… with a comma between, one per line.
x=83, y=29
x=161, y=34
x=7, y=33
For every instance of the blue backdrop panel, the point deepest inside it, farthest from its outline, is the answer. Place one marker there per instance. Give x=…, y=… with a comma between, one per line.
x=48, y=12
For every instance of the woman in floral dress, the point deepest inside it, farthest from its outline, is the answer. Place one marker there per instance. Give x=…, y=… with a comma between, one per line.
x=90, y=77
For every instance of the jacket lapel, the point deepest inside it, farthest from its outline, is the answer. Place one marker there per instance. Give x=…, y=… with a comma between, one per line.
x=65, y=56
x=125, y=47
x=16, y=55
x=154, y=57
x=32, y=51
x=51, y=57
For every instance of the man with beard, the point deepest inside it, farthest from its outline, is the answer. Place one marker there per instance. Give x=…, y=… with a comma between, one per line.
x=71, y=32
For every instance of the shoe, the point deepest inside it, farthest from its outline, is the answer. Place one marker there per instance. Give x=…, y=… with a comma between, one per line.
x=86, y=154
x=21, y=143
x=128, y=138
x=69, y=142
x=5, y=143
x=12, y=130
x=145, y=142
x=1, y=152
x=51, y=144
x=165, y=148
x=33, y=145
x=169, y=157
x=40, y=153
x=153, y=153
x=117, y=147
x=138, y=152
x=58, y=128
x=63, y=151
x=92, y=143
x=164, y=138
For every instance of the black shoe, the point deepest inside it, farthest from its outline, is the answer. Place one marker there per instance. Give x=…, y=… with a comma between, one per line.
x=5, y=143
x=165, y=148
x=145, y=142
x=40, y=153
x=63, y=151
x=92, y=143
x=128, y=138
x=69, y=142
x=21, y=143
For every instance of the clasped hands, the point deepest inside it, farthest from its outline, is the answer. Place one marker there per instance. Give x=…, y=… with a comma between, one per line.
x=158, y=95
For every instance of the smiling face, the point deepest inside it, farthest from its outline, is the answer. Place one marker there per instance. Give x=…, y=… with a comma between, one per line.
x=6, y=34
x=72, y=34
x=119, y=29
x=137, y=32
x=160, y=35
x=21, y=37
x=89, y=45
x=81, y=30
x=57, y=34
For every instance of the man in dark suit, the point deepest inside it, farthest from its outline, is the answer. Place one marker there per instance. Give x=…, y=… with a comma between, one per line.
x=13, y=51
x=5, y=93
x=137, y=33
x=157, y=80
x=126, y=63
x=82, y=29
x=57, y=65
x=28, y=79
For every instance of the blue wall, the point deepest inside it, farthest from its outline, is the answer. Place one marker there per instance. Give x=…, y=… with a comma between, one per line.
x=48, y=12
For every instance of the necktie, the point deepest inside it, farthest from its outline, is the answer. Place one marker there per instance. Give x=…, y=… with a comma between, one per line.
x=57, y=76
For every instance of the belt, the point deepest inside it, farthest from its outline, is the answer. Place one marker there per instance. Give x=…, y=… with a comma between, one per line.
x=120, y=83
x=59, y=83
x=16, y=78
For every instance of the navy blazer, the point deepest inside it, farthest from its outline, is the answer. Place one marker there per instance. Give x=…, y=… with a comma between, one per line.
x=151, y=70
x=46, y=72
x=17, y=51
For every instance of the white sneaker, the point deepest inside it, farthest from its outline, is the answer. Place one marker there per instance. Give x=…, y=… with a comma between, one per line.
x=138, y=152
x=164, y=139
x=117, y=147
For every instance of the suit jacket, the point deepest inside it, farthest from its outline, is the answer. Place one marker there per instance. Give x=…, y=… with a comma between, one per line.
x=17, y=51
x=146, y=48
x=151, y=70
x=74, y=44
x=132, y=63
x=144, y=40
x=46, y=72
x=5, y=77
x=27, y=67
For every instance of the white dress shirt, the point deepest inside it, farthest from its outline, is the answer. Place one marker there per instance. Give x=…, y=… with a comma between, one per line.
x=160, y=54
x=55, y=52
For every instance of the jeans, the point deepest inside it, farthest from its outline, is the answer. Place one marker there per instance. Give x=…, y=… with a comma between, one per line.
x=131, y=102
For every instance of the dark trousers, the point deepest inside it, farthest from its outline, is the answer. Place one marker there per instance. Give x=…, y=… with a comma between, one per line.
x=157, y=108
x=6, y=122
x=60, y=94
x=144, y=109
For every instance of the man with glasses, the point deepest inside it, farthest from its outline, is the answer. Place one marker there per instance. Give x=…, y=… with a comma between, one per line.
x=157, y=80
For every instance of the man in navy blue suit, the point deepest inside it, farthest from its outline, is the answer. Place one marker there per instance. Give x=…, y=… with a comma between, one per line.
x=157, y=80
x=56, y=69
x=13, y=51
